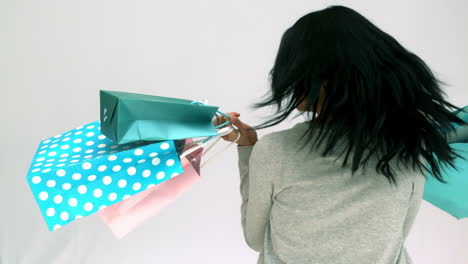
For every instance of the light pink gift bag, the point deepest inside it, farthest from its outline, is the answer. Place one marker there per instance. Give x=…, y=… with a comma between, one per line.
x=128, y=214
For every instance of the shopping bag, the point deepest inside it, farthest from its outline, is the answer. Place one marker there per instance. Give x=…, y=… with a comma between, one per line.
x=460, y=134
x=125, y=216
x=81, y=171
x=451, y=197
x=128, y=117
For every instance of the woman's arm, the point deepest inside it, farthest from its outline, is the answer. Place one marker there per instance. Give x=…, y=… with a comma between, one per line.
x=256, y=190
x=256, y=186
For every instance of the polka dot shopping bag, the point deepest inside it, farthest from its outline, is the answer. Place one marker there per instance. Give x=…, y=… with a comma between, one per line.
x=80, y=172
x=125, y=216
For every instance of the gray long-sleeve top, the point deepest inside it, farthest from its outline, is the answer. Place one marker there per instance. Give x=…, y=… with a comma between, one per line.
x=299, y=209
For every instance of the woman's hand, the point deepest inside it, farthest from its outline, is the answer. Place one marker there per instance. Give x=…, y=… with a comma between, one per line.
x=248, y=136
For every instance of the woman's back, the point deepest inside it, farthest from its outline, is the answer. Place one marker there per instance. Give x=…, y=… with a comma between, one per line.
x=374, y=100
x=322, y=214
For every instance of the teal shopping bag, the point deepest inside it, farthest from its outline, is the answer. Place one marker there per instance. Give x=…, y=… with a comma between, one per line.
x=451, y=197
x=460, y=135
x=129, y=117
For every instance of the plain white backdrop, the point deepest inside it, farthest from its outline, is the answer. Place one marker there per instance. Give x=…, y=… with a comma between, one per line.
x=55, y=56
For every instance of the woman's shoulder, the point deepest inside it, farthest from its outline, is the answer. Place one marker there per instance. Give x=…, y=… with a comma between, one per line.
x=277, y=140
x=295, y=129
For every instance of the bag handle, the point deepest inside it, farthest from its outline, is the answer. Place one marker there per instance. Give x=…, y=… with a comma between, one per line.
x=221, y=151
x=221, y=132
x=203, y=144
x=204, y=102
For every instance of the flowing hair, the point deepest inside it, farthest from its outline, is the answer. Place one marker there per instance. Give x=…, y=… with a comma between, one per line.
x=380, y=97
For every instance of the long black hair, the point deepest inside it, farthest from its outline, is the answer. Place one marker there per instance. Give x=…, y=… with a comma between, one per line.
x=380, y=97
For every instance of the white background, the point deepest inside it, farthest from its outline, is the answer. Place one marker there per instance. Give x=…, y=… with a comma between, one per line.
x=56, y=55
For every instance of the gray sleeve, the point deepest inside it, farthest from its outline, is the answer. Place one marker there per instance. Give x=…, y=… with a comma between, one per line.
x=256, y=190
x=414, y=203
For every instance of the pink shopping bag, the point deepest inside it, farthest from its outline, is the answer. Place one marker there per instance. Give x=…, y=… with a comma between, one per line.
x=125, y=216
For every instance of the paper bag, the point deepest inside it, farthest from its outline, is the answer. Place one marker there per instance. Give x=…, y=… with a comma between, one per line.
x=129, y=117
x=81, y=171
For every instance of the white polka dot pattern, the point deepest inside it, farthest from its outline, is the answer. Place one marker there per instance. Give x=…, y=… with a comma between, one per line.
x=75, y=174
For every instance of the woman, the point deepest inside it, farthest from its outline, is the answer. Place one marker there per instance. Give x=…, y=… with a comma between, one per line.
x=380, y=114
